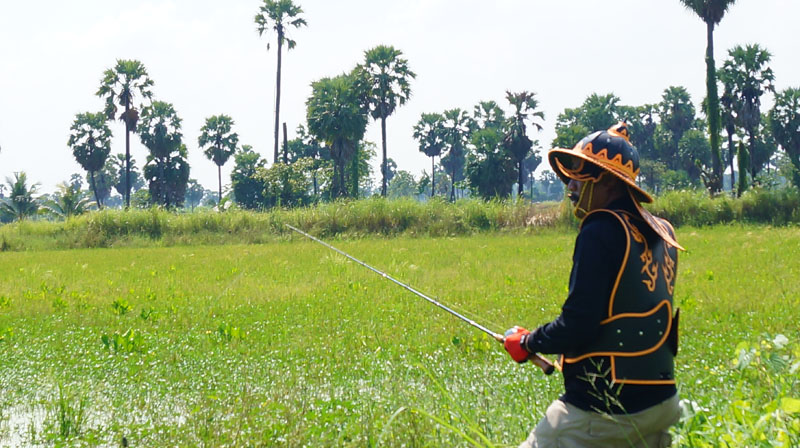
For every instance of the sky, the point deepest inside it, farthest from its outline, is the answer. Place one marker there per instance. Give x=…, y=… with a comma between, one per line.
x=206, y=58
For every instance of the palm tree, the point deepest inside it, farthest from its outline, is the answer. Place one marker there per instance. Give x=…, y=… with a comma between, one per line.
x=20, y=202
x=387, y=77
x=516, y=140
x=728, y=110
x=91, y=142
x=335, y=116
x=747, y=72
x=278, y=14
x=784, y=119
x=160, y=132
x=457, y=130
x=429, y=132
x=69, y=201
x=711, y=12
x=486, y=114
x=677, y=116
x=220, y=142
x=120, y=86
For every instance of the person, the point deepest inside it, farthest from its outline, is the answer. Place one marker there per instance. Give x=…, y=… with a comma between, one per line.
x=616, y=334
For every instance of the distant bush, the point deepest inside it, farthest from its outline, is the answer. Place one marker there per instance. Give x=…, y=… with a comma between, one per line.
x=695, y=208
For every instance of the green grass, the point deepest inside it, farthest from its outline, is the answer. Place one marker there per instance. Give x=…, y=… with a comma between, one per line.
x=355, y=218
x=290, y=344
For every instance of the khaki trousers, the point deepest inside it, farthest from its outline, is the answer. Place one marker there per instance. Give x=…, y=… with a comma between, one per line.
x=565, y=426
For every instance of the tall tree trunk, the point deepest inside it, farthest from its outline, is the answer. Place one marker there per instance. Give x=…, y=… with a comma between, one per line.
x=794, y=157
x=94, y=190
x=751, y=132
x=342, y=183
x=520, y=180
x=354, y=173
x=742, y=159
x=127, y=156
x=286, y=190
x=453, y=183
x=314, y=178
x=713, y=112
x=278, y=92
x=433, y=176
x=285, y=146
x=385, y=166
x=730, y=153
x=219, y=178
x=163, y=182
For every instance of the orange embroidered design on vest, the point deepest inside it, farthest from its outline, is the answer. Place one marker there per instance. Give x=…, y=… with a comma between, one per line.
x=649, y=267
x=669, y=272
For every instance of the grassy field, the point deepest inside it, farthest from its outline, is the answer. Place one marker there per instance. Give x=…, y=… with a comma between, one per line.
x=289, y=344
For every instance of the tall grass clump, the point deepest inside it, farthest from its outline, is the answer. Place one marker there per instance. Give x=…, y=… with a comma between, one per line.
x=759, y=205
x=349, y=218
x=372, y=216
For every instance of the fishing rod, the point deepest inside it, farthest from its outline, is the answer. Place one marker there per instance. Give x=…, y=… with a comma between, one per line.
x=546, y=366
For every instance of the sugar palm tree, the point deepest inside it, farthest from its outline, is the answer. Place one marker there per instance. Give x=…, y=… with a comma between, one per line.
x=121, y=86
x=748, y=73
x=388, y=85
x=516, y=140
x=90, y=141
x=277, y=15
x=160, y=132
x=457, y=130
x=711, y=13
x=336, y=117
x=429, y=132
x=20, y=202
x=219, y=141
x=784, y=119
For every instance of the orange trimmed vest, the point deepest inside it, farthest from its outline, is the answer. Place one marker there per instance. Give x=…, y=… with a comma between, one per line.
x=640, y=333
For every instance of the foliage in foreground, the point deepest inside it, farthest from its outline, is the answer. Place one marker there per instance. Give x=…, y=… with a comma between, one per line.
x=289, y=344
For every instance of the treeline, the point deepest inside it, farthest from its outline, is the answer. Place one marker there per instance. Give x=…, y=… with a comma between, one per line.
x=482, y=153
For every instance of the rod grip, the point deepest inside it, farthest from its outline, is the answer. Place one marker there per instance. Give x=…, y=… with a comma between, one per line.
x=547, y=367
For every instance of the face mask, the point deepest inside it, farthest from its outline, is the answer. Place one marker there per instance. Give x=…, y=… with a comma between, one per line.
x=584, y=203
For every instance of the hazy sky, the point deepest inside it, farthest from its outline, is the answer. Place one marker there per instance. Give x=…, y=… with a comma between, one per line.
x=206, y=58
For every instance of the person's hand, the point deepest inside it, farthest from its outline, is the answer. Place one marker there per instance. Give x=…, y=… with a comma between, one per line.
x=513, y=344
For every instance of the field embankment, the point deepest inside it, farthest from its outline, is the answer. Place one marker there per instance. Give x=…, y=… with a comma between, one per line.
x=374, y=216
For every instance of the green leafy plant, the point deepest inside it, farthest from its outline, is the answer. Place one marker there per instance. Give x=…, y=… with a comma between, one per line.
x=149, y=313
x=763, y=407
x=6, y=333
x=227, y=333
x=129, y=341
x=121, y=306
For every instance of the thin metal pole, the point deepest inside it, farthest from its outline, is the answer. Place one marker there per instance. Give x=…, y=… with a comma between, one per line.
x=546, y=366
x=491, y=333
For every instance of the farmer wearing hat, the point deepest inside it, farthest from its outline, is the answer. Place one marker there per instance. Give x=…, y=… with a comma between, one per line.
x=617, y=333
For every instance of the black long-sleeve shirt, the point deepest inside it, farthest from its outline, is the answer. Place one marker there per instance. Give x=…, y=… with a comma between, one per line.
x=596, y=261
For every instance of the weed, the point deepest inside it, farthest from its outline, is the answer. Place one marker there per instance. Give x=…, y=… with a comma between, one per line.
x=6, y=334
x=227, y=333
x=70, y=412
x=129, y=341
x=149, y=313
x=121, y=306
